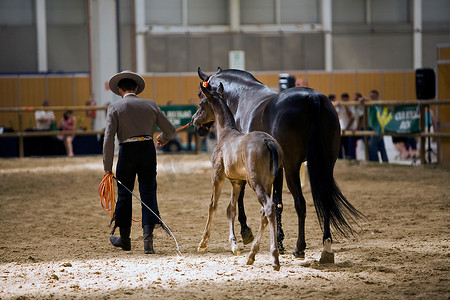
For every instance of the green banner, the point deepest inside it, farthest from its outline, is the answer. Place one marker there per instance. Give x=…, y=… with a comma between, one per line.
x=394, y=119
x=179, y=115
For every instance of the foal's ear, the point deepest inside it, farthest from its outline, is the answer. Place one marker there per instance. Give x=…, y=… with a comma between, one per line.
x=203, y=76
x=220, y=88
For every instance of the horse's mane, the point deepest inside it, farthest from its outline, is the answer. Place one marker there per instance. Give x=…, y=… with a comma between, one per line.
x=246, y=76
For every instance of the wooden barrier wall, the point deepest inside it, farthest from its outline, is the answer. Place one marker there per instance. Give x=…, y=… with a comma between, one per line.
x=66, y=90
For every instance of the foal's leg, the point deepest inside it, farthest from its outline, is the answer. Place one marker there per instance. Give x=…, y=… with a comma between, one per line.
x=256, y=242
x=246, y=232
x=217, y=187
x=267, y=217
x=293, y=183
x=231, y=212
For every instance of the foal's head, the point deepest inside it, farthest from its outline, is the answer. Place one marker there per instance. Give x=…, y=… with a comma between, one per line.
x=204, y=117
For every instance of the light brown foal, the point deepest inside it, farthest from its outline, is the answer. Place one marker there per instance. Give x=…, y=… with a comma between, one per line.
x=254, y=158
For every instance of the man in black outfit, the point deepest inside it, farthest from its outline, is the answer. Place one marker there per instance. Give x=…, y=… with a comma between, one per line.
x=134, y=120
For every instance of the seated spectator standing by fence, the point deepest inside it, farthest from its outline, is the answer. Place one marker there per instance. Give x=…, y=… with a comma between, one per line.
x=357, y=124
x=45, y=121
x=68, y=123
x=44, y=118
x=346, y=115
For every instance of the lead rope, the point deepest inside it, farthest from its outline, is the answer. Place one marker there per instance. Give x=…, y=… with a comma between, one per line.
x=178, y=129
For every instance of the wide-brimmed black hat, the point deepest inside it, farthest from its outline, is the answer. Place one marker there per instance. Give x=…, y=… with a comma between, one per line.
x=114, y=81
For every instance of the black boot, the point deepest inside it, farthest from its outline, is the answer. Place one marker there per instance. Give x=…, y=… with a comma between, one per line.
x=124, y=240
x=148, y=239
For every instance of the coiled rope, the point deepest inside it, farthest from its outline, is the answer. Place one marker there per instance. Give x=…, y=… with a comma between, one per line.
x=107, y=196
x=108, y=202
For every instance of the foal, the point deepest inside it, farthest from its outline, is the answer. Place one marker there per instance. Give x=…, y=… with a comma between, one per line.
x=254, y=157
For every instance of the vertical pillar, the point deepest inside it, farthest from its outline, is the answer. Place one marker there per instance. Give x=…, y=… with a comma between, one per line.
x=41, y=33
x=417, y=34
x=103, y=52
x=327, y=29
x=235, y=15
x=141, y=29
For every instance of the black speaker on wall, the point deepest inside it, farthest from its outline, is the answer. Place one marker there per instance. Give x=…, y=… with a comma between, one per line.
x=425, y=84
x=286, y=81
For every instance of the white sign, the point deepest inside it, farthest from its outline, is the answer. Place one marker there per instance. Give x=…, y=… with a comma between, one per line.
x=236, y=59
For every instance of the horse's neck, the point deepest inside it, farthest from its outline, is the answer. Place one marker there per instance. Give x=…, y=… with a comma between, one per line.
x=248, y=95
x=224, y=118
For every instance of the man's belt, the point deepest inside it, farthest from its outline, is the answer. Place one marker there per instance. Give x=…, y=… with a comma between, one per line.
x=138, y=139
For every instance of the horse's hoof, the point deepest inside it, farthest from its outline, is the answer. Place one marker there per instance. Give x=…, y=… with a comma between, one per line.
x=281, y=248
x=247, y=236
x=201, y=248
x=326, y=257
x=299, y=254
x=276, y=267
x=250, y=261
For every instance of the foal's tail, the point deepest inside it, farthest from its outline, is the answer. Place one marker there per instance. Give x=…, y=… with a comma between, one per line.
x=274, y=155
x=331, y=205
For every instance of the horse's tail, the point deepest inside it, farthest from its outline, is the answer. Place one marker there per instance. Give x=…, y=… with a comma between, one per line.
x=329, y=201
x=274, y=155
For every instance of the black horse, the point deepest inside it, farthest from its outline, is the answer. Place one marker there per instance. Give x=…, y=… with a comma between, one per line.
x=306, y=125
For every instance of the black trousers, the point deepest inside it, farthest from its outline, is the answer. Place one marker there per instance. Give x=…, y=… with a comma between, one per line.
x=136, y=158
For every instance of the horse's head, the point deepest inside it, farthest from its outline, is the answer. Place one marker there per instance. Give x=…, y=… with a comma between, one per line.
x=204, y=117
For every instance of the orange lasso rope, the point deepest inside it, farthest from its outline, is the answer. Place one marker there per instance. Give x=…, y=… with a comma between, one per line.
x=178, y=129
x=107, y=195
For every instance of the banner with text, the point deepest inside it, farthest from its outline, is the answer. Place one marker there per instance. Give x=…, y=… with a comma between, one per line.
x=179, y=115
x=394, y=119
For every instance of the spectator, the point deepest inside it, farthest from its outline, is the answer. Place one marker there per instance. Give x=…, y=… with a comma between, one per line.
x=376, y=143
x=44, y=118
x=357, y=124
x=301, y=82
x=68, y=123
x=411, y=148
x=346, y=113
x=335, y=103
x=91, y=114
x=399, y=143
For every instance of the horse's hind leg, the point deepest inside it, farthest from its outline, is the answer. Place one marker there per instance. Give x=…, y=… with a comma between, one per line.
x=217, y=187
x=293, y=183
x=246, y=232
x=277, y=199
x=231, y=213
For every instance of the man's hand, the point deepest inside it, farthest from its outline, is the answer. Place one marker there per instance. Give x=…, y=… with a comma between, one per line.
x=159, y=141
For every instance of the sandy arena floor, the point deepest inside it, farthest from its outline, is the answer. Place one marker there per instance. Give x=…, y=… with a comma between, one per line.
x=54, y=237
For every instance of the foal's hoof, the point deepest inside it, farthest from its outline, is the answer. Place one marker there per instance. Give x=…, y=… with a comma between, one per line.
x=201, y=248
x=276, y=267
x=326, y=257
x=250, y=261
x=247, y=236
x=235, y=249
